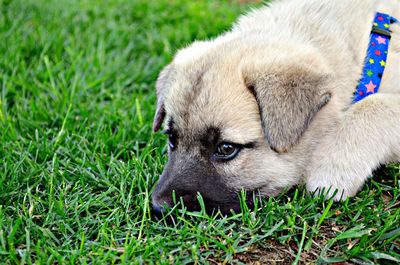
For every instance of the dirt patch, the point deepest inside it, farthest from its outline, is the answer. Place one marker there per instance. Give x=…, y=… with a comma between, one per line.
x=272, y=253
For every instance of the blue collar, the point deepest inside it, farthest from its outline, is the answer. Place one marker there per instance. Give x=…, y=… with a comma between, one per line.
x=375, y=60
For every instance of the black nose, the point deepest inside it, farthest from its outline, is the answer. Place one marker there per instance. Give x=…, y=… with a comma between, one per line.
x=158, y=211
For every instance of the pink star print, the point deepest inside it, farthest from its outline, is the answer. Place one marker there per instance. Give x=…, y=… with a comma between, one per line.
x=381, y=40
x=370, y=87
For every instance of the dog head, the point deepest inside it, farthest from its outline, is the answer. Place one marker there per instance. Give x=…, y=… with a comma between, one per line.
x=238, y=118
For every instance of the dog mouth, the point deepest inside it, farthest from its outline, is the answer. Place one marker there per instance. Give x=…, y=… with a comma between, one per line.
x=233, y=203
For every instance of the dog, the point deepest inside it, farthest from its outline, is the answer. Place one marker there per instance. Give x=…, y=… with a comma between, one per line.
x=268, y=105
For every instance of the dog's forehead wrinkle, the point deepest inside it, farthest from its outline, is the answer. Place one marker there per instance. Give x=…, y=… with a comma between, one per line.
x=189, y=96
x=210, y=135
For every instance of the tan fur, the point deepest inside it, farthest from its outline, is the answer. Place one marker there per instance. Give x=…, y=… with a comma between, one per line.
x=322, y=43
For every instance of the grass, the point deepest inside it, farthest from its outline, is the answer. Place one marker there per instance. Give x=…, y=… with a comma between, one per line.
x=78, y=160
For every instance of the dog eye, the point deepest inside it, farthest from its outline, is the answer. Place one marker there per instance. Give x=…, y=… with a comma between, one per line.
x=226, y=151
x=172, y=139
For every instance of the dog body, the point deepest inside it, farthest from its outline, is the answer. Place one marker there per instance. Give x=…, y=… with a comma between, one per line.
x=268, y=105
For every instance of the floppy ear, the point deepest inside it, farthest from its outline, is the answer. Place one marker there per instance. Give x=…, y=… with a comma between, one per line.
x=288, y=102
x=161, y=91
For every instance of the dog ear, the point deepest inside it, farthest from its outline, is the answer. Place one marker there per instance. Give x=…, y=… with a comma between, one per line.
x=161, y=91
x=288, y=102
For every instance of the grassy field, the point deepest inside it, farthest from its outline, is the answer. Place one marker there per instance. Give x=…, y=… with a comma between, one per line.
x=78, y=159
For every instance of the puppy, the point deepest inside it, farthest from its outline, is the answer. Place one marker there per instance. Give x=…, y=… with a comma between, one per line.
x=268, y=105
